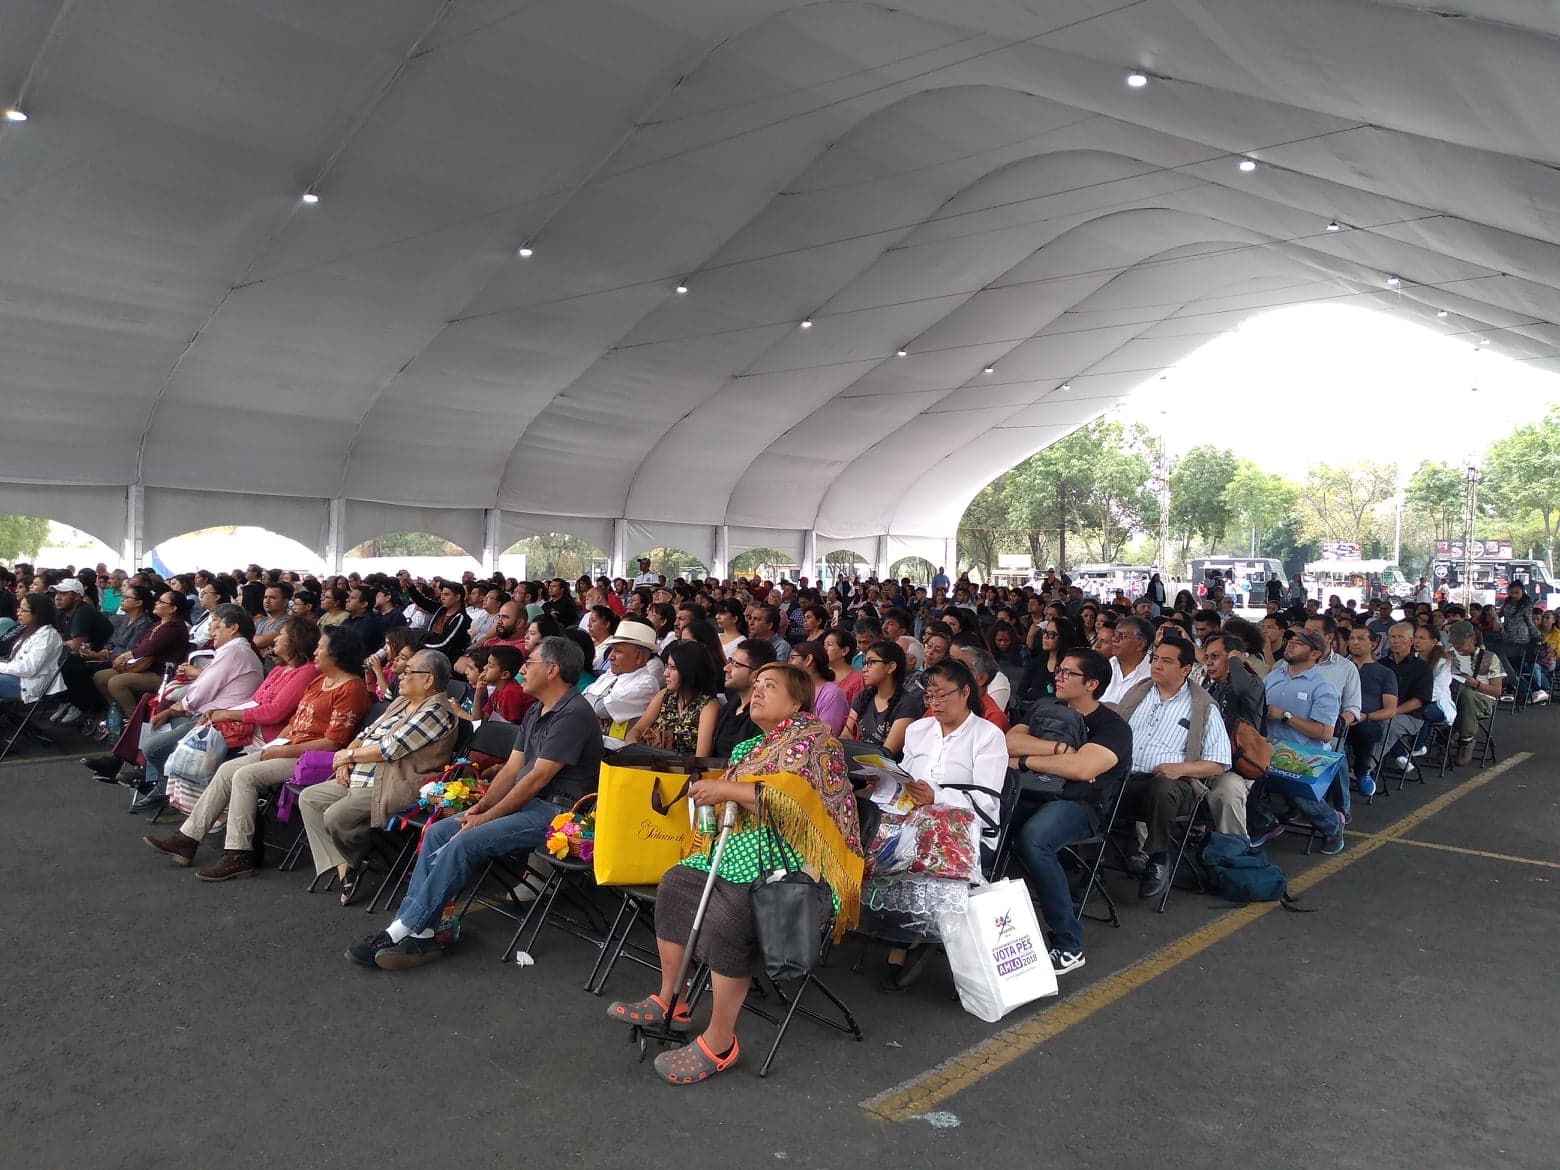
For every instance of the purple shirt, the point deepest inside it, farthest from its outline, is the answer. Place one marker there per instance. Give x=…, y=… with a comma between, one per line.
x=831, y=706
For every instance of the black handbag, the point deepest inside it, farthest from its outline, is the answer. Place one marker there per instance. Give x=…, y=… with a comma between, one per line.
x=790, y=910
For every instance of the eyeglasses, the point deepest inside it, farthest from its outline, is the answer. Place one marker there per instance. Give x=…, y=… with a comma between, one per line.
x=940, y=696
x=427, y=672
x=872, y=662
x=735, y=665
x=1066, y=672
x=1048, y=633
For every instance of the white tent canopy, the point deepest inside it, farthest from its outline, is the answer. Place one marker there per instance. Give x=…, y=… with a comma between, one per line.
x=184, y=341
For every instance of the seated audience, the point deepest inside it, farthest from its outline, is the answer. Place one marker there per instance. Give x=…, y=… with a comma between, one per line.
x=326, y=719
x=829, y=701
x=556, y=760
x=379, y=772
x=884, y=710
x=31, y=670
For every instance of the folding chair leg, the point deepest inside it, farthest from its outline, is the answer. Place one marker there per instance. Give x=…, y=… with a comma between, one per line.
x=613, y=945
x=1180, y=853
x=395, y=875
x=544, y=901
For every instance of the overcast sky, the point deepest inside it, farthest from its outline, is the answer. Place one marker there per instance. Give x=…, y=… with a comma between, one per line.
x=1338, y=362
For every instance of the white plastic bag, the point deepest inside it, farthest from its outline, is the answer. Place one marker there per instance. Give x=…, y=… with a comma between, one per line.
x=996, y=951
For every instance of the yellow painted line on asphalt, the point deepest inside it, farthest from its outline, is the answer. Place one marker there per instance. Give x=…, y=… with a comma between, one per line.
x=1477, y=853
x=958, y=1073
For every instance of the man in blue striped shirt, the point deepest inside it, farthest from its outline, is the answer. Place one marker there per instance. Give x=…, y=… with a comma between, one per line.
x=1169, y=765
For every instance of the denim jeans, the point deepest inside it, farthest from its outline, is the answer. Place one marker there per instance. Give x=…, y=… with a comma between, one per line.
x=1433, y=715
x=449, y=858
x=1055, y=824
x=1319, y=813
x=157, y=744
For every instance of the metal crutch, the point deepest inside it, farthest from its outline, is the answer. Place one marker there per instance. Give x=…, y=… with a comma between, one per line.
x=640, y=1034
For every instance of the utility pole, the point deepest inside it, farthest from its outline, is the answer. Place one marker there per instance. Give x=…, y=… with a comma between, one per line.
x=1472, y=476
x=1164, y=501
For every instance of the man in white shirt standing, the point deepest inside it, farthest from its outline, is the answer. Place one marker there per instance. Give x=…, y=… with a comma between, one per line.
x=1129, y=666
x=645, y=576
x=623, y=693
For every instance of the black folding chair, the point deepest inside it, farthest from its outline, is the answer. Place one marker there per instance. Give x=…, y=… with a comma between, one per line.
x=18, y=715
x=638, y=905
x=1100, y=842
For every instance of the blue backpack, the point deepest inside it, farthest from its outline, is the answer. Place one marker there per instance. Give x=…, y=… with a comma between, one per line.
x=1239, y=872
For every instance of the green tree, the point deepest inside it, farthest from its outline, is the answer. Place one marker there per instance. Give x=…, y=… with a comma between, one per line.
x=557, y=554
x=406, y=544
x=1199, y=505
x=1436, y=495
x=982, y=527
x=1339, y=503
x=1522, y=474
x=21, y=537
x=1259, y=500
x=763, y=562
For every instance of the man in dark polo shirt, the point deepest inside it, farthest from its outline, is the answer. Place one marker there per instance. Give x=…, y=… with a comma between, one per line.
x=1415, y=689
x=556, y=760
x=1094, y=772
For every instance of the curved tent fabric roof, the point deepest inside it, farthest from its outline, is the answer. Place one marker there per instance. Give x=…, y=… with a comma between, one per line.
x=969, y=179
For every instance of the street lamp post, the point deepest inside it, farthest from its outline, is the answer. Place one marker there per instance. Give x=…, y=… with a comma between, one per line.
x=1471, y=477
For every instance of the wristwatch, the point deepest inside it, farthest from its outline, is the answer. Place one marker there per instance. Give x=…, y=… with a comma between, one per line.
x=1284, y=717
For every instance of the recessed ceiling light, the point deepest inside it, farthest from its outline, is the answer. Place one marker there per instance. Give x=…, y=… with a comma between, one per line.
x=989, y=370
x=1484, y=341
x=901, y=352
x=12, y=114
x=682, y=289
x=807, y=324
x=1440, y=312
x=524, y=252
x=1137, y=80
x=1065, y=386
x=310, y=198
x=1246, y=165
x=1393, y=282
x=1334, y=226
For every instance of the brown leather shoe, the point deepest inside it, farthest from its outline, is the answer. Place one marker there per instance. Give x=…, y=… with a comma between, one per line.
x=234, y=863
x=1464, y=751
x=179, y=848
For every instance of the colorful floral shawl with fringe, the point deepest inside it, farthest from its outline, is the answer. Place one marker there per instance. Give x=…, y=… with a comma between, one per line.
x=807, y=799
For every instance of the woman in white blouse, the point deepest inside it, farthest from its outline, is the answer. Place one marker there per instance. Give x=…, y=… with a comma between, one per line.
x=954, y=745
x=958, y=760
x=33, y=668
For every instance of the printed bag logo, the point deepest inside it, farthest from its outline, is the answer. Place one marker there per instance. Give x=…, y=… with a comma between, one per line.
x=1003, y=923
x=1014, y=957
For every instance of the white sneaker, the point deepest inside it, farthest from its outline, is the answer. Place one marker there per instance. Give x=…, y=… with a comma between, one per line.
x=1421, y=751
x=1539, y=697
x=1065, y=961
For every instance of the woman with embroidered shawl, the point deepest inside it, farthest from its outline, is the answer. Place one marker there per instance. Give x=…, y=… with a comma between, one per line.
x=795, y=774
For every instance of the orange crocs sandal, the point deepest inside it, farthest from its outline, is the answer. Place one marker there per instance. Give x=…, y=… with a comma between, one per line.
x=650, y=1013
x=694, y=1062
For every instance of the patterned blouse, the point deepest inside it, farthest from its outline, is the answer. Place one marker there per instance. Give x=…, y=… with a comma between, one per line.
x=682, y=724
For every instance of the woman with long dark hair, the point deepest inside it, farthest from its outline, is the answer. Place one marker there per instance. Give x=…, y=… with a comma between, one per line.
x=884, y=710
x=681, y=717
x=31, y=671
x=1055, y=638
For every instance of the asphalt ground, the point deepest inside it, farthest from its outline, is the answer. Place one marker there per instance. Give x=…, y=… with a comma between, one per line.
x=150, y=1019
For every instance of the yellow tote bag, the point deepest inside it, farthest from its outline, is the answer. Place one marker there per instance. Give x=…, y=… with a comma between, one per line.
x=643, y=824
